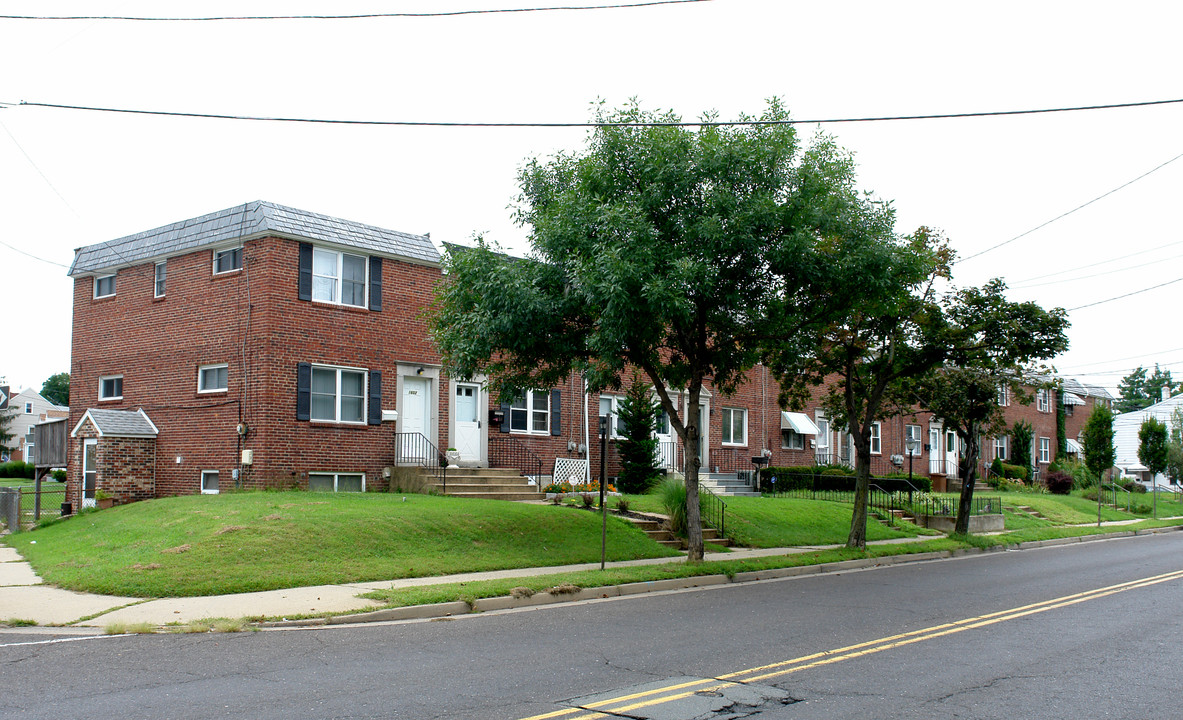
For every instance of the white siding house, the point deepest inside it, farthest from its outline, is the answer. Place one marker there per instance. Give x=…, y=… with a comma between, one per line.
x=1125, y=436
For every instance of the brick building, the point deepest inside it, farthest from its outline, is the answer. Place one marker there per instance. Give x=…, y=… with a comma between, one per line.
x=265, y=346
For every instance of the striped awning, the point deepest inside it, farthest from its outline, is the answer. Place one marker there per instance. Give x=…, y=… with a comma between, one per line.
x=1073, y=399
x=798, y=423
x=1073, y=446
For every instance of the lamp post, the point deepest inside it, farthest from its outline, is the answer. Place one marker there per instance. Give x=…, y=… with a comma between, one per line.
x=913, y=444
x=605, y=425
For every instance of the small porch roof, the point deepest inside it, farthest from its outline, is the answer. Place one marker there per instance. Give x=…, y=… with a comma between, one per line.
x=798, y=423
x=1073, y=446
x=118, y=423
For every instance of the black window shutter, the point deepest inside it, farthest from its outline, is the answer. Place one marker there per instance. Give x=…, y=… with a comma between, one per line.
x=375, y=283
x=374, y=412
x=305, y=282
x=304, y=391
x=504, y=417
x=556, y=415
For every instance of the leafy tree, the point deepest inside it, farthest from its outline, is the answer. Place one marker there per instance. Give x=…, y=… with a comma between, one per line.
x=676, y=251
x=1137, y=391
x=991, y=342
x=6, y=435
x=1097, y=438
x=1152, y=451
x=866, y=357
x=56, y=389
x=1175, y=448
x=1023, y=433
x=638, y=447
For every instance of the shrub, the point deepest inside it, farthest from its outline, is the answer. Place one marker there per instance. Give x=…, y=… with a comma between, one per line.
x=587, y=499
x=781, y=479
x=17, y=469
x=672, y=492
x=1015, y=472
x=1059, y=482
x=59, y=475
x=996, y=469
x=1133, y=486
x=638, y=447
x=622, y=505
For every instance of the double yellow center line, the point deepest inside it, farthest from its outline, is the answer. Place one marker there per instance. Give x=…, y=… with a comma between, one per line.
x=676, y=691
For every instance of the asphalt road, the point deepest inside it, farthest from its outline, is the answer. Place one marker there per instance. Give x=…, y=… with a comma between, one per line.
x=1088, y=630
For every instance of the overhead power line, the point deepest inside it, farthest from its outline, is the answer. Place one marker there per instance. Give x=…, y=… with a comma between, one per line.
x=1127, y=256
x=1025, y=286
x=358, y=16
x=29, y=254
x=1064, y=215
x=693, y=123
x=1119, y=297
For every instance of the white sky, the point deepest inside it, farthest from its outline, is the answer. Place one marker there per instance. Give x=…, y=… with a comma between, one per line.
x=72, y=178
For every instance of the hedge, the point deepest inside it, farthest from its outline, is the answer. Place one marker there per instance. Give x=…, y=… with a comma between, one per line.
x=830, y=477
x=17, y=469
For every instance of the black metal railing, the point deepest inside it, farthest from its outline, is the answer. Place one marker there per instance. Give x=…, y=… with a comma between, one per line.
x=712, y=510
x=412, y=449
x=669, y=456
x=730, y=460
x=916, y=504
x=507, y=452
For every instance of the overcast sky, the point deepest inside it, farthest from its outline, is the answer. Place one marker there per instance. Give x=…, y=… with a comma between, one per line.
x=70, y=178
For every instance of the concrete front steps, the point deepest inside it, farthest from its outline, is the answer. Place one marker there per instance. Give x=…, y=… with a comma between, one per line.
x=489, y=484
x=656, y=531
x=727, y=485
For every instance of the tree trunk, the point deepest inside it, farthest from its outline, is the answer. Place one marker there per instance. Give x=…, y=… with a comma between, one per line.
x=862, y=484
x=969, y=477
x=690, y=447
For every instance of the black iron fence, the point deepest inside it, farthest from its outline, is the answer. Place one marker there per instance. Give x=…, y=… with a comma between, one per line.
x=713, y=510
x=894, y=502
x=412, y=449
x=507, y=452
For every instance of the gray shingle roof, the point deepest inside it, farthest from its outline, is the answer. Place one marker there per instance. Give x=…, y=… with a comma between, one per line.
x=119, y=423
x=251, y=220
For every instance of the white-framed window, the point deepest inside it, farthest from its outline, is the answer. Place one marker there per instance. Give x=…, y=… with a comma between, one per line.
x=1041, y=400
x=209, y=482
x=158, y=282
x=111, y=387
x=338, y=394
x=337, y=482
x=790, y=439
x=610, y=404
x=913, y=432
x=213, y=378
x=1003, y=396
x=822, y=441
x=30, y=456
x=876, y=438
x=28, y=408
x=339, y=277
x=227, y=260
x=1045, y=450
x=530, y=413
x=1001, y=444
x=104, y=286
x=735, y=426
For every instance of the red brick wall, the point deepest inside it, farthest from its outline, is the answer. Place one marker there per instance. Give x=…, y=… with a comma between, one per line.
x=124, y=467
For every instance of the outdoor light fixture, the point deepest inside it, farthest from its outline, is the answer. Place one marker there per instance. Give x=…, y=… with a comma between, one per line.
x=419, y=371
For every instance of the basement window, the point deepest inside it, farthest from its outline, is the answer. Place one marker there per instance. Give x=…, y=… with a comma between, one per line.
x=337, y=482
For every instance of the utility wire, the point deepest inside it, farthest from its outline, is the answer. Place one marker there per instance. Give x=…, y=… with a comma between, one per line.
x=1097, y=274
x=1129, y=357
x=1064, y=215
x=698, y=123
x=358, y=16
x=1099, y=262
x=29, y=254
x=1119, y=297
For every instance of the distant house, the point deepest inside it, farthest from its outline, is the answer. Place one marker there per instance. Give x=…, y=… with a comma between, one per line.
x=1125, y=437
x=1079, y=401
x=29, y=408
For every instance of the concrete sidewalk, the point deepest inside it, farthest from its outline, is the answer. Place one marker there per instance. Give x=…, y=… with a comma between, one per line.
x=23, y=595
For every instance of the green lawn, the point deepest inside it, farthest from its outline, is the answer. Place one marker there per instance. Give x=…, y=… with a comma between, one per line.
x=240, y=542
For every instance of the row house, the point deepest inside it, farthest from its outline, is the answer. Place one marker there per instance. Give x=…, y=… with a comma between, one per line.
x=266, y=346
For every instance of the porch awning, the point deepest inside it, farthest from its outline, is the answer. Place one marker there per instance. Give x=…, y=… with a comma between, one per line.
x=1073, y=446
x=798, y=423
x=1073, y=399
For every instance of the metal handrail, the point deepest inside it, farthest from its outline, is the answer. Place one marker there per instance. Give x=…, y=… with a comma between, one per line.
x=1129, y=497
x=730, y=459
x=712, y=510
x=414, y=449
x=507, y=452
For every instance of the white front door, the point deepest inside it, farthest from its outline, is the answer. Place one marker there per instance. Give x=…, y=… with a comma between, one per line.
x=413, y=415
x=951, y=453
x=821, y=441
x=667, y=443
x=468, y=421
x=935, y=464
x=90, y=451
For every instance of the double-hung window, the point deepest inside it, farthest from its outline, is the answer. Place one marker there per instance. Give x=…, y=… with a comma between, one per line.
x=876, y=438
x=227, y=260
x=530, y=413
x=111, y=387
x=1041, y=401
x=735, y=426
x=213, y=378
x=1003, y=396
x=158, y=283
x=1045, y=450
x=338, y=394
x=104, y=286
x=610, y=405
x=790, y=439
x=1000, y=447
x=338, y=277
x=337, y=482
x=912, y=437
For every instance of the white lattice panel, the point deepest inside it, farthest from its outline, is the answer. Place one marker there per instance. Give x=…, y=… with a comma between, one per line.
x=571, y=470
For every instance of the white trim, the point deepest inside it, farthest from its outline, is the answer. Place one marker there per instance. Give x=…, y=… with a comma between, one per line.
x=876, y=438
x=106, y=398
x=727, y=426
x=336, y=419
x=527, y=399
x=159, y=279
x=919, y=439
x=1045, y=444
x=217, y=476
x=86, y=415
x=337, y=480
x=339, y=278
x=213, y=366
x=215, y=252
x=614, y=432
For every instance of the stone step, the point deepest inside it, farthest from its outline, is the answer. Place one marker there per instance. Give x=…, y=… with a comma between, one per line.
x=512, y=496
x=459, y=487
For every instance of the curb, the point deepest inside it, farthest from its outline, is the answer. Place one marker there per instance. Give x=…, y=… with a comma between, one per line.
x=508, y=602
